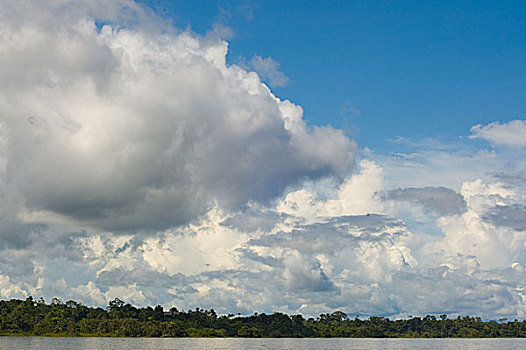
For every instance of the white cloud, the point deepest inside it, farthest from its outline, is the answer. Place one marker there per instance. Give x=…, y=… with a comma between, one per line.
x=301, y=274
x=110, y=133
x=89, y=293
x=355, y=196
x=9, y=290
x=268, y=70
x=331, y=256
x=512, y=133
x=129, y=293
x=124, y=127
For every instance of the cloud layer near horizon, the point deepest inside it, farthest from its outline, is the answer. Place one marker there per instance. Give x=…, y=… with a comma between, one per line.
x=135, y=163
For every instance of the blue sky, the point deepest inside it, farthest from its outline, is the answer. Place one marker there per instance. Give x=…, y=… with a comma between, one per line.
x=301, y=157
x=411, y=68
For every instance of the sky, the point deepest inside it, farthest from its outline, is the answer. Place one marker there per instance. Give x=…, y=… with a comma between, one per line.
x=380, y=70
x=302, y=157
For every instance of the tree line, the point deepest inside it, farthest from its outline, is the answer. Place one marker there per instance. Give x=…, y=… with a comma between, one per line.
x=120, y=319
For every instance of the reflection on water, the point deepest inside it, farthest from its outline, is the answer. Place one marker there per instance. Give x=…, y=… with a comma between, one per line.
x=42, y=343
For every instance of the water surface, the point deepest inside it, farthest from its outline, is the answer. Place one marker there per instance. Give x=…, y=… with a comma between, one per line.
x=44, y=343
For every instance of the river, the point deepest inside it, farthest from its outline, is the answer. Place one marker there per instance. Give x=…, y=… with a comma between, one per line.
x=46, y=343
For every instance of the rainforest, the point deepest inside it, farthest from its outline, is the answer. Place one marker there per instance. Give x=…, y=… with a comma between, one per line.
x=120, y=319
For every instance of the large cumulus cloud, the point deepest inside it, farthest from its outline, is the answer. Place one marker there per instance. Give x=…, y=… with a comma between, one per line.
x=128, y=126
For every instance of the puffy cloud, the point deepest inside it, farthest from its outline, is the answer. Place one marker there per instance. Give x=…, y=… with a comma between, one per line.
x=89, y=293
x=304, y=275
x=108, y=131
x=9, y=290
x=123, y=127
x=356, y=195
x=367, y=264
x=512, y=133
x=128, y=292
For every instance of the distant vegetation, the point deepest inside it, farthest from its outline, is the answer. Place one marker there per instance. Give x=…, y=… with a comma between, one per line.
x=30, y=317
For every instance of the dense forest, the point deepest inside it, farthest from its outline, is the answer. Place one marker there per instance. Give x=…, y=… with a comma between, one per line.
x=30, y=317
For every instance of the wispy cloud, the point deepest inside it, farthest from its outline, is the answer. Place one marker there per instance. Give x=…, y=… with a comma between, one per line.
x=512, y=133
x=268, y=69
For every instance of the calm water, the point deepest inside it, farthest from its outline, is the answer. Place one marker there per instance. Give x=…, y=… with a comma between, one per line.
x=34, y=343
